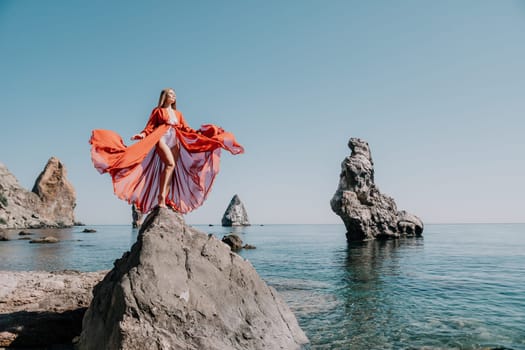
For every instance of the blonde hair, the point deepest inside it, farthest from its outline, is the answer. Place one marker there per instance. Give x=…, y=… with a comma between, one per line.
x=162, y=98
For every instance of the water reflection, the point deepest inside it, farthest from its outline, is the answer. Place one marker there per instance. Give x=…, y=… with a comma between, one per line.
x=368, y=291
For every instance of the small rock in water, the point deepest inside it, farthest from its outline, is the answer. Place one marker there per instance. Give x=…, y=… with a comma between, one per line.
x=24, y=233
x=234, y=241
x=89, y=230
x=248, y=246
x=48, y=239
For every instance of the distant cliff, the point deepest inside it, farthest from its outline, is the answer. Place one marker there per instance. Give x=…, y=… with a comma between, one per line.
x=51, y=203
x=366, y=212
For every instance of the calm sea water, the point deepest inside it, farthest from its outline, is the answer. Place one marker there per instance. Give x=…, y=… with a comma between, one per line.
x=459, y=287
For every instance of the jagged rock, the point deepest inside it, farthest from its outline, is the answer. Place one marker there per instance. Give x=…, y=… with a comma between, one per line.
x=136, y=217
x=39, y=309
x=235, y=214
x=366, y=213
x=248, y=246
x=179, y=288
x=50, y=204
x=234, y=241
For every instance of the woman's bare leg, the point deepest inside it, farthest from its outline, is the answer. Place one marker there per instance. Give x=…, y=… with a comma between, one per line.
x=166, y=155
x=175, y=153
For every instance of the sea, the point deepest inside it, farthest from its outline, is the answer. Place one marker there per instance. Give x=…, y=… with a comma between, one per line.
x=460, y=286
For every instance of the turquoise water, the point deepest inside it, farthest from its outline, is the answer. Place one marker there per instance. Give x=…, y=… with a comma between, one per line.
x=459, y=287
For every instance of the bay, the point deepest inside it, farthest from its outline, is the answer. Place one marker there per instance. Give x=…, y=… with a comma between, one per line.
x=461, y=286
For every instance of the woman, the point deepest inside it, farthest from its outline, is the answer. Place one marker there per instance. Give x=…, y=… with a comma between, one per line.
x=171, y=165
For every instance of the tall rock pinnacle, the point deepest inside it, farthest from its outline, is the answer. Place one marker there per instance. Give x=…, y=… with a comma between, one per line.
x=235, y=214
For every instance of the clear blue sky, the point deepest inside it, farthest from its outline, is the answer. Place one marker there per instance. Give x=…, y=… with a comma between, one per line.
x=436, y=88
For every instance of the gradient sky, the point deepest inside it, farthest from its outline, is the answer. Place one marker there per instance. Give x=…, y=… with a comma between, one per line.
x=435, y=87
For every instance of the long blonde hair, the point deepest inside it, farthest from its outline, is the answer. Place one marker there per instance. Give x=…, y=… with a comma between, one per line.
x=162, y=98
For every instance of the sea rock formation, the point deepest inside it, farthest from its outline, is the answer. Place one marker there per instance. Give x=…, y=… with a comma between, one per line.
x=179, y=288
x=235, y=214
x=366, y=212
x=136, y=217
x=39, y=309
x=235, y=242
x=51, y=203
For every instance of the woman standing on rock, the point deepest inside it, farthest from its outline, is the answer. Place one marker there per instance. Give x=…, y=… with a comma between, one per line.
x=172, y=164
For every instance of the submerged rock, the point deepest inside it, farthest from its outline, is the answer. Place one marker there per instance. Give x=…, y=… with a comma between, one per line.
x=179, y=288
x=48, y=239
x=366, y=213
x=50, y=204
x=235, y=214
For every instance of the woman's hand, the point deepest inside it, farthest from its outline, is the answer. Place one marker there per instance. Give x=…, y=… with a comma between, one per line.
x=137, y=136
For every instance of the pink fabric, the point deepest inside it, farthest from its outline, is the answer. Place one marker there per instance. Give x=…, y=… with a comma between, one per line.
x=135, y=170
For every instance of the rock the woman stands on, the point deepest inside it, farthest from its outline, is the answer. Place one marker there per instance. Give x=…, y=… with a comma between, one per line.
x=171, y=165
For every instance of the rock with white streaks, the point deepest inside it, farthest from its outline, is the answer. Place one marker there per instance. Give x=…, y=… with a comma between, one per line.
x=235, y=214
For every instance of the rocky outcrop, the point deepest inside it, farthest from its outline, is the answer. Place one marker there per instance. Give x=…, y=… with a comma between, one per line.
x=179, y=288
x=39, y=309
x=366, y=213
x=136, y=217
x=235, y=214
x=50, y=204
x=235, y=242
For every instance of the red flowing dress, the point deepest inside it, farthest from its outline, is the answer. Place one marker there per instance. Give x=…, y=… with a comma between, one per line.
x=135, y=170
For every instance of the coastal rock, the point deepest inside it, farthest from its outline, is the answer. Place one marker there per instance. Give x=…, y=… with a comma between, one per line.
x=235, y=214
x=48, y=239
x=56, y=193
x=136, y=217
x=39, y=309
x=234, y=241
x=179, y=288
x=50, y=204
x=365, y=211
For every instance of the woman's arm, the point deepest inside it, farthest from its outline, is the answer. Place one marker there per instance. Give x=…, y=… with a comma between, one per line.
x=150, y=125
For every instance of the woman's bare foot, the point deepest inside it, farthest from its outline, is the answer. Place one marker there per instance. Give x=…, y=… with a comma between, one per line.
x=162, y=202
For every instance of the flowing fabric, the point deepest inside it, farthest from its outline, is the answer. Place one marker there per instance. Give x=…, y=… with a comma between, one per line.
x=135, y=170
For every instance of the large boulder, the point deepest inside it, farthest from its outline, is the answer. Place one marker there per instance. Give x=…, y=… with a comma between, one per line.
x=235, y=214
x=179, y=288
x=50, y=204
x=366, y=212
